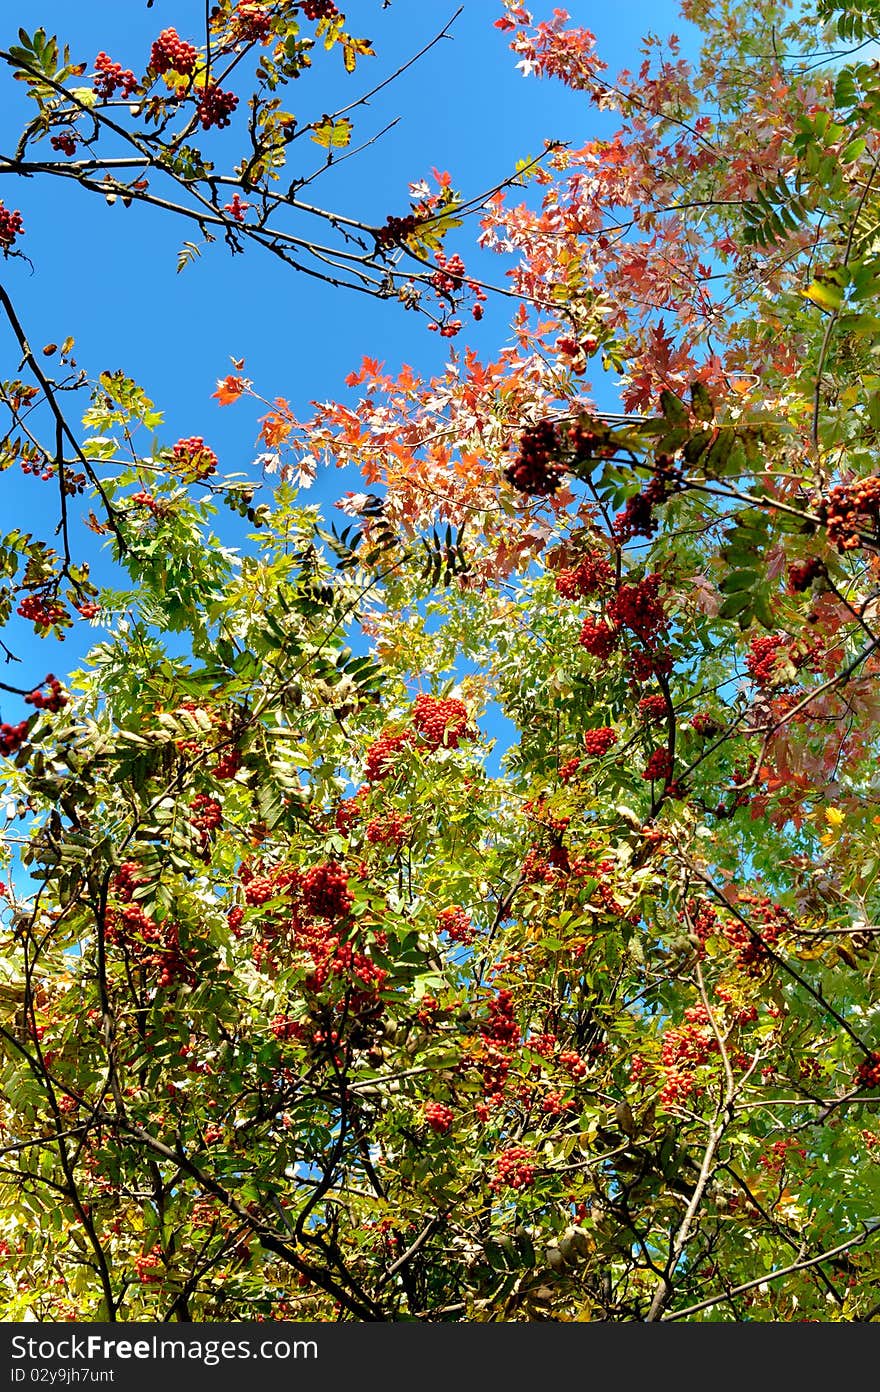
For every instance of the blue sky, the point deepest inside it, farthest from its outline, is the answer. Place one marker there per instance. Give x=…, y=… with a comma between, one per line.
x=108, y=276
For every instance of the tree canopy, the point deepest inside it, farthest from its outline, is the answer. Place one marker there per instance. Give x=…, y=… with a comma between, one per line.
x=463, y=907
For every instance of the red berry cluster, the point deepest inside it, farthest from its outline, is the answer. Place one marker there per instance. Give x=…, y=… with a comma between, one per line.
x=285, y=1028
x=868, y=1072
x=440, y=722
x=592, y=573
x=448, y=329
x=572, y=1062
x=637, y=517
x=569, y=769
x=684, y=1049
x=215, y=107
x=396, y=230
x=751, y=943
x=763, y=660
x=578, y=350
x=638, y=608
x=228, y=764
x=12, y=737
x=554, y=1104
x=236, y=208
x=703, y=918
x=652, y=708
x=318, y=9
x=251, y=23
x=325, y=891
x=774, y=1160
x=536, y=469
x=705, y=724
x=146, y=1267
x=382, y=755
x=457, y=926
x=42, y=612
x=849, y=509
x=659, y=766
x=427, y=1011
x=207, y=814
x=598, y=638
x=194, y=458
x=159, y=507
x=501, y=1026
x=156, y=946
x=515, y=1169
x=449, y=274
x=347, y=813
x=109, y=76
x=543, y=1044
x=11, y=226
x=598, y=742
x=127, y=879
x=390, y=830
x=64, y=142
x=802, y=574
x=273, y=884
x=54, y=700
x=171, y=53
x=439, y=1117
x=644, y=665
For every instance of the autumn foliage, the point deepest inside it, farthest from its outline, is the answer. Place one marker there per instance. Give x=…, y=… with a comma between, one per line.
x=326, y=997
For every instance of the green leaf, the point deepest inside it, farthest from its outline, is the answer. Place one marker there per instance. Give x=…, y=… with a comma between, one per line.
x=332, y=135
x=673, y=408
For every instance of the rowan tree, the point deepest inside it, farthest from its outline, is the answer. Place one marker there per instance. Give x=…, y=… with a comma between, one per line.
x=319, y=1011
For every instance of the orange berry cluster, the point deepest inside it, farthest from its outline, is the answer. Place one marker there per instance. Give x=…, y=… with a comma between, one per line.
x=850, y=508
x=457, y=926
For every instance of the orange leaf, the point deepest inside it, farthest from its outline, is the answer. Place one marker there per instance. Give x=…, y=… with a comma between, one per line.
x=275, y=430
x=230, y=389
